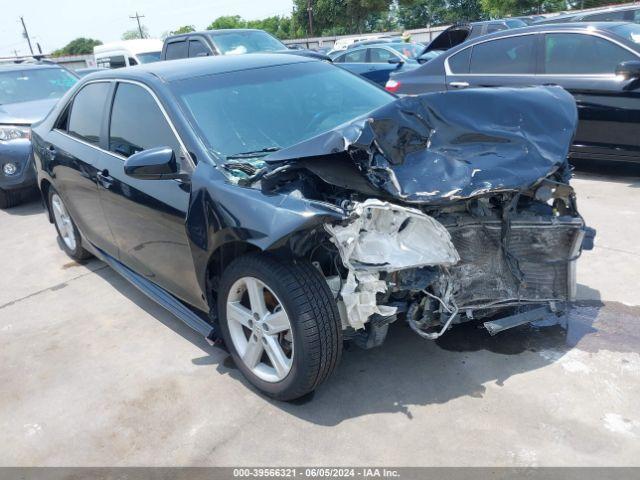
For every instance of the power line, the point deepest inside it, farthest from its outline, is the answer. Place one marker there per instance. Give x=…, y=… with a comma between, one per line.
x=26, y=34
x=138, y=17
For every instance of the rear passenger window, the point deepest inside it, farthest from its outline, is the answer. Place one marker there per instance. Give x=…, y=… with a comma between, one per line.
x=117, y=62
x=506, y=55
x=380, y=55
x=176, y=50
x=197, y=49
x=459, y=63
x=87, y=112
x=137, y=123
x=355, y=57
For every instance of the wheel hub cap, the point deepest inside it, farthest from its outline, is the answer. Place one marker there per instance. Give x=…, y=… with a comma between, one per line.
x=63, y=222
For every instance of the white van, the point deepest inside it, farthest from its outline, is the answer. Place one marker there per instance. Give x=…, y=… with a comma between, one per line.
x=127, y=53
x=343, y=43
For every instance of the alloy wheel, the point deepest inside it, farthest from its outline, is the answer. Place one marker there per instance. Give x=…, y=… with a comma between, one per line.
x=260, y=329
x=63, y=222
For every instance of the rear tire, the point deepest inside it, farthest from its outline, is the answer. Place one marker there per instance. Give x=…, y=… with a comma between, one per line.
x=68, y=234
x=311, y=331
x=9, y=198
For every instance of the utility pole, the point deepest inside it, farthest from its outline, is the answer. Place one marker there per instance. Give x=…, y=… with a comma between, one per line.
x=138, y=17
x=26, y=34
x=15, y=52
x=310, y=13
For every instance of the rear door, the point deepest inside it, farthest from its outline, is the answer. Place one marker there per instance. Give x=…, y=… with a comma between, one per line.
x=585, y=64
x=148, y=217
x=379, y=67
x=355, y=61
x=507, y=61
x=77, y=156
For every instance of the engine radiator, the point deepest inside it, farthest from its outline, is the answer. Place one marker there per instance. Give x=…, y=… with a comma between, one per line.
x=534, y=264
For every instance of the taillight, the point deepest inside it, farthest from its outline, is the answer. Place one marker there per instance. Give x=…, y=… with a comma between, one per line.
x=392, y=86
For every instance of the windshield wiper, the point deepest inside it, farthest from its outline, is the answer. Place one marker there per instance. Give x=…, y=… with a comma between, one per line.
x=253, y=154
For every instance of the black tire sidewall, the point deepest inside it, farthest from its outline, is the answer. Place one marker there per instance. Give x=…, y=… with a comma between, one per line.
x=297, y=378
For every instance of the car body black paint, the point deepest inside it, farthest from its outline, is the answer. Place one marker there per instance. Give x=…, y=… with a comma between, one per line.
x=166, y=231
x=608, y=107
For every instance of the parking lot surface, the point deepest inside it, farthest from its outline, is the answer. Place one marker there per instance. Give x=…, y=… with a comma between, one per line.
x=95, y=374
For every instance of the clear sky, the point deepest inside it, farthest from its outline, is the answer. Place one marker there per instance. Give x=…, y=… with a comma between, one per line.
x=53, y=23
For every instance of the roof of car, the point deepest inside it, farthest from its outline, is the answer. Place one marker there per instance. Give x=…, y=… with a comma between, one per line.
x=220, y=31
x=10, y=66
x=195, y=67
x=557, y=26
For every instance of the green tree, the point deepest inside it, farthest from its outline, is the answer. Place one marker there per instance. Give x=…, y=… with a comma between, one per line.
x=227, y=21
x=135, y=33
x=421, y=13
x=79, y=46
x=501, y=8
x=183, y=29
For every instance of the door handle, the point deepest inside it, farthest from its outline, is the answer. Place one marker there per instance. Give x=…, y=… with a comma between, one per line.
x=458, y=84
x=104, y=178
x=51, y=150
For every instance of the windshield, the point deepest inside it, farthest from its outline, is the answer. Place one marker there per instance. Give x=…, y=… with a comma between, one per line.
x=266, y=109
x=148, y=57
x=235, y=43
x=34, y=84
x=515, y=23
x=409, y=50
x=629, y=31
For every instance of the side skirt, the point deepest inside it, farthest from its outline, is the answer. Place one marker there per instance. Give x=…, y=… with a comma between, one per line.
x=160, y=296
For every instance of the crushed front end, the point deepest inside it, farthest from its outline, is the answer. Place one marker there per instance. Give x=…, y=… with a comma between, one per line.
x=457, y=207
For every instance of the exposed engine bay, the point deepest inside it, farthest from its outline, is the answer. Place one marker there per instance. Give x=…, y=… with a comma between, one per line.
x=455, y=206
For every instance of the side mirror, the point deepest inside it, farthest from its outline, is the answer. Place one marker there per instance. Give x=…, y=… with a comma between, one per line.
x=395, y=61
x=153, y=164
x=628, y=70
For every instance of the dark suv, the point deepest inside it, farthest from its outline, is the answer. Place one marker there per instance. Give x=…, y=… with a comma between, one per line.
x=228, y=42
x=27, y=92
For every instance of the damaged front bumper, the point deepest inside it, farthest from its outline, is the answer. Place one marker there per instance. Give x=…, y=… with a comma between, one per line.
x=458, y=267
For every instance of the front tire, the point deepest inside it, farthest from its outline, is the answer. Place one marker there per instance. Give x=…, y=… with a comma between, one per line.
x=68, y=233
x=280, y=323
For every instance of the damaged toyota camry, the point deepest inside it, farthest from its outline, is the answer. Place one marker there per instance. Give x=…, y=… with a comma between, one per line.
x=285, y=206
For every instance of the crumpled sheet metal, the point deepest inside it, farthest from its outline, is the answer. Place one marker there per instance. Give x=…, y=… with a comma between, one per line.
x=441, y=147
x=380, y=236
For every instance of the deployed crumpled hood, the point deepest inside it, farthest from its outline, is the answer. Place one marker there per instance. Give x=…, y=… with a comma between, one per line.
x=439, y=147
x=26, y=113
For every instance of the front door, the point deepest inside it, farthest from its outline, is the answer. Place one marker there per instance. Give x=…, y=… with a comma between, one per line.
x=609, y=110
x=148, y=217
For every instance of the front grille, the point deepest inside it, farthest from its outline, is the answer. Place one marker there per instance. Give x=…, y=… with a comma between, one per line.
x=534, y=265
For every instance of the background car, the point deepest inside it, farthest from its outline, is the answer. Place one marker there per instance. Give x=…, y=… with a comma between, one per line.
x=461, y=32
x=628, y=13
x=228, y=42
x=376, y=62
x=127, y=53
x=27, y=92
x=599, y=63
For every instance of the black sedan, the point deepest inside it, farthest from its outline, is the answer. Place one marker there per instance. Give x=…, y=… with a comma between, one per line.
x=598, y=63
x=284, y=205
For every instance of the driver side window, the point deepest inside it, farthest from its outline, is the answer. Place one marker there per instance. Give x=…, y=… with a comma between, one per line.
x=137, y=123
